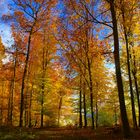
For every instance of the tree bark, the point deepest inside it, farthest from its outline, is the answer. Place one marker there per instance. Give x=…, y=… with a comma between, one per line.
x=91, y=93
x=59, y=109
x=134, y=72
x=124, y=118
x=96, y=114
x=80, y=103
x=23, y=81
x=10, y=114
x=30, y=107
x=85, y=107
x=130, y=84
x=42, y=104
x=138, y=97
x=129, y=70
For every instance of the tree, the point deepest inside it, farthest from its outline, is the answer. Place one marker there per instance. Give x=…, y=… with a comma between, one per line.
x=114, y=27
x=124, y=118
x=30, y=18
x=127, y=31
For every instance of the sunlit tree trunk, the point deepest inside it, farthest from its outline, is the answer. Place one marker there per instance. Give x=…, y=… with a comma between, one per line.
x=23, y=81
x=9, y=102
x=90, y=80
x=1, y=102
x=30, y=107
x=80, y=103
x=26, y=101
x=84, y=103
x=42, y=104
x=44, y=67
x=42, y=90
x=59, y=109
x=96, y=108
x=12, y=89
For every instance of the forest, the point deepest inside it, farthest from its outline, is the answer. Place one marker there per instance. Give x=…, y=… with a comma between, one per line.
x=69, y=69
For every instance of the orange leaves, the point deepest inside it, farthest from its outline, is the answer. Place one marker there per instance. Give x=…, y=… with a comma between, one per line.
x=2, y=50
x=18, y=14
x=88, y=1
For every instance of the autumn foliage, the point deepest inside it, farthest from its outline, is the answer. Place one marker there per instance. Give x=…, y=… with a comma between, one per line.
x=71, y=63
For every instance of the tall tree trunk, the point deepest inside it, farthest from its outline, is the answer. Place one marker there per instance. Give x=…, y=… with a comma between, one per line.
x=134, y=72
x=26, y=106
x=96, y=114
x=1, y=112
x=26, y=102
x=130, y=84
x=115, y=114
x=138, y=97
x=91, y=93
x=9, y=102
x=1, y=104
x=124, y=118
x=80, y=103
x=59, y=109
x=12, y=90
x=42, y=103
x=43, y=85
x=23, y=81
x=96, y=106
x=129, y=71
x=44, y=67
x=90, y=77
x=84, y=103
x=30, y=107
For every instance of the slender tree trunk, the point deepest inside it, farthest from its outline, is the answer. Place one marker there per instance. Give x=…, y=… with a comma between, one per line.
x=80, y=103
x=129, y=71
x=1, y=104
x=96, y=106
x=130, y=84
x=90, y=78
x=42, y=103
x=26, y=102
x=30, y=107
x=124, y=118
x=26, y=108
x=44, y=67
x=84, y=103
x=115, y=115
x=96, y=114
x=1, y=115
x=23, y=81
x=43, y=86
x=91, y=93
x=13, y=88
x=59, y=109
x=134, y=72
x=138, y=96
x=9, y=103
x=12, y=94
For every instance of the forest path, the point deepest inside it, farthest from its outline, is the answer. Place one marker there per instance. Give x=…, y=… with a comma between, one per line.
x=103, y=133
x=78, y=134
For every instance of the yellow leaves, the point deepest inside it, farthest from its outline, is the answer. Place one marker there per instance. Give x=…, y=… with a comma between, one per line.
x=2, y=50
x=87, y=1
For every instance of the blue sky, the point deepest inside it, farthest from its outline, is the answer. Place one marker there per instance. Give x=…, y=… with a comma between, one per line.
x=5, y=31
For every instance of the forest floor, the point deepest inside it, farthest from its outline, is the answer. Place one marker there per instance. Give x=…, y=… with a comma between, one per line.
x=104, y=133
